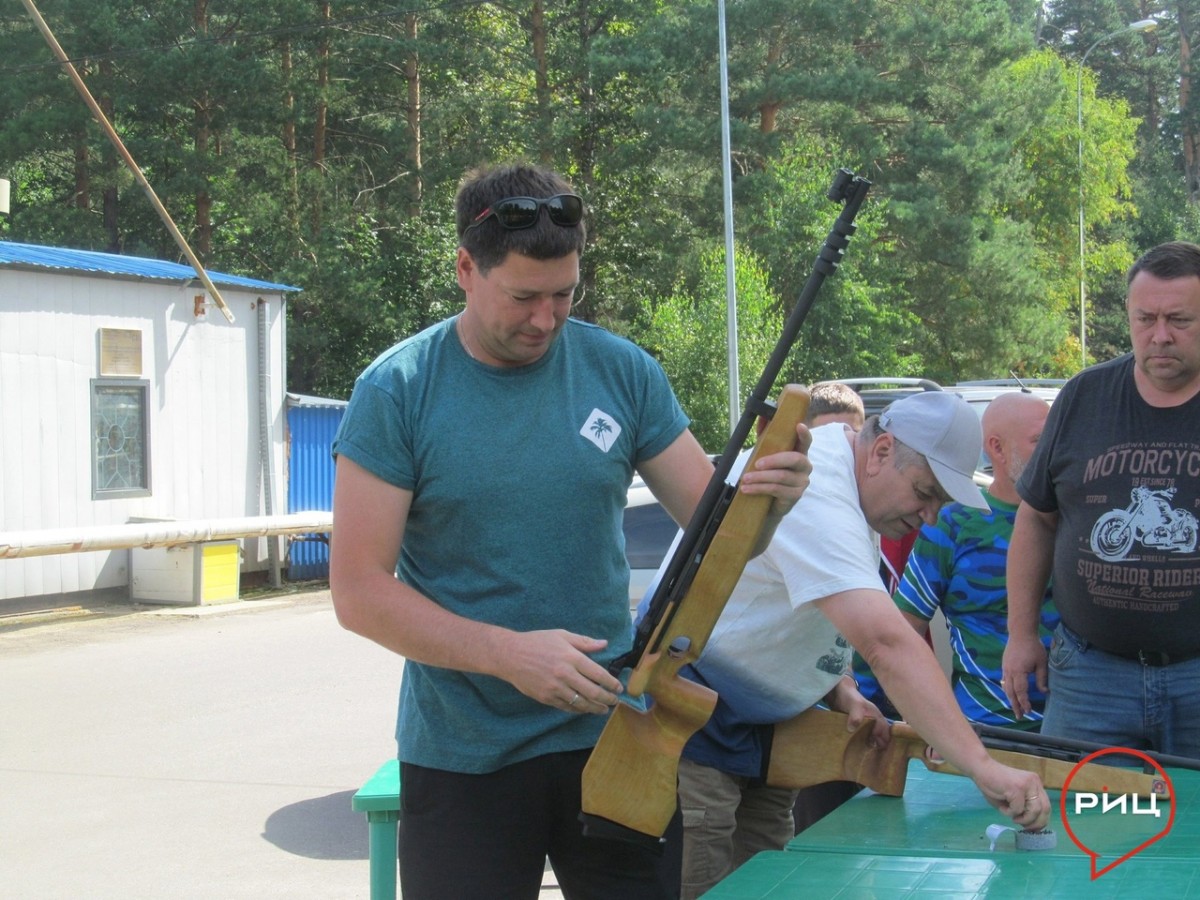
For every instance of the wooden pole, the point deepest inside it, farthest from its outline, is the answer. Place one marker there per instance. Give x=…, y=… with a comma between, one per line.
x=129, y=161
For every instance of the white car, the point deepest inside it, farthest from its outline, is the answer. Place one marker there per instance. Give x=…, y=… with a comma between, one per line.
x=877, y=393
x=980, y=393
x=649, y=531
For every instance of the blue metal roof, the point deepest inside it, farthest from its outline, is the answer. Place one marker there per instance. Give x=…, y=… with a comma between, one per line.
x=33, y=256
x=311, y=402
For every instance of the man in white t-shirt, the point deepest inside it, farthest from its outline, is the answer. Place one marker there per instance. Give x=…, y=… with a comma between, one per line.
x=784, y=641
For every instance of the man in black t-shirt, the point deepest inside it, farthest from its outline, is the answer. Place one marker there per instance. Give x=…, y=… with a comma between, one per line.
x=1109, y=507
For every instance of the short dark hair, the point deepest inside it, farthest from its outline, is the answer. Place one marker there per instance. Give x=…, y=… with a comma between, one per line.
x=489, y=242
x=833, y=397
x=1175, y=259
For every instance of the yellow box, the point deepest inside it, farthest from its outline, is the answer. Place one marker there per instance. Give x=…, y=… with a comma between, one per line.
x=187, y=575
x=219, y=572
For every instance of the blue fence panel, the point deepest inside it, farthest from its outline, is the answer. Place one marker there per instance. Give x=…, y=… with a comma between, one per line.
x=312, y=425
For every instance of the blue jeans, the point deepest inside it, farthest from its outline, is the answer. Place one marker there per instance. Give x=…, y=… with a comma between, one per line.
x=1118, y=702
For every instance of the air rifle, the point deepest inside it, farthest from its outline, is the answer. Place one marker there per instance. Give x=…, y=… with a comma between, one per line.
x=629, y=783
x=815, y=747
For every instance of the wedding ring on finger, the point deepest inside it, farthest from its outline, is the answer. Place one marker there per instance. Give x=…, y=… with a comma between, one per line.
x=574, y=699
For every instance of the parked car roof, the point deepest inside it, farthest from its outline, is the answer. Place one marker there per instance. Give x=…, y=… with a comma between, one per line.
x=1018, y=383
x=877, y=393
x=979, y=394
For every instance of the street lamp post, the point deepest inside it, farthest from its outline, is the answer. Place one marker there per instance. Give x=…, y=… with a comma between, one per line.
x=731, y=326
x=1140, y=25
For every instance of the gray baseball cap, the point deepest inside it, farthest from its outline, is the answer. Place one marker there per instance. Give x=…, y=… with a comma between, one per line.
x=945, y=430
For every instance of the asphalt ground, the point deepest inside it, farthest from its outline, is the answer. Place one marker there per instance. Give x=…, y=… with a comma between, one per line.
x=198, y=752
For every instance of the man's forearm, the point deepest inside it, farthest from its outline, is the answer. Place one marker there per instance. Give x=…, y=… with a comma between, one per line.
x=915, y=683
x=393, y=615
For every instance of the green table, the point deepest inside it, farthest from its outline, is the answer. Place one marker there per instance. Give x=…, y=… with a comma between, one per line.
x=946, y=816
x=932, y=843
x=379, y=798
x=821, y=875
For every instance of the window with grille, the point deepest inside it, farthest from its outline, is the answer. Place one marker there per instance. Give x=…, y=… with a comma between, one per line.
x=120, y=438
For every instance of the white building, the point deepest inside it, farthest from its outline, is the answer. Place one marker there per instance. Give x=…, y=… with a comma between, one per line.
x=126, y=395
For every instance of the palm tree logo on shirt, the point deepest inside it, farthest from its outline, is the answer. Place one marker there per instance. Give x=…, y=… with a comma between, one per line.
x=601, y=429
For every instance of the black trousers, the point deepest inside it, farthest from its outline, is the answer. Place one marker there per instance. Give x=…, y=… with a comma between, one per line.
x=466, y=837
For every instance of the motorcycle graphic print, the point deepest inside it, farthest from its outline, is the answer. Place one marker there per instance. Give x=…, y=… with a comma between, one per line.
x=1150, y=520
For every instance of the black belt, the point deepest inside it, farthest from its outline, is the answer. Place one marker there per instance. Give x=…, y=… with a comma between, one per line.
x=1156, y=658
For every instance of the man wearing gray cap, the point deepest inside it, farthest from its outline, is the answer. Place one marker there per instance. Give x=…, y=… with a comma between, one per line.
x=784, y=641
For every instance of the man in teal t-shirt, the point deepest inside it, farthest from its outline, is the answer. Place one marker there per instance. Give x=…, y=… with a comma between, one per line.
x=958, y=566
x=482, y=470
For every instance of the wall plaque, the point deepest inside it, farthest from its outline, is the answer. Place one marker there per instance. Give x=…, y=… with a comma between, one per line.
x=120, y=352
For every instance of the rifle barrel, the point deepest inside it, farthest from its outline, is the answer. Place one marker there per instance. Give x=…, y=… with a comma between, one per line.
x=850, y=190
x=1066, y=748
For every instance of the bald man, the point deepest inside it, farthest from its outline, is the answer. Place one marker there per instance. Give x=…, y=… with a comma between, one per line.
x=958, y=565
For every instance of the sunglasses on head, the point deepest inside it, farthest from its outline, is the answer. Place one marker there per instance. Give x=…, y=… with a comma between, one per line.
x=515, y=213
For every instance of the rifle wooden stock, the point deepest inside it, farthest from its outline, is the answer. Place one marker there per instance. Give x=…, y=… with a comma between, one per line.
x=816, y=747
x=630, y=778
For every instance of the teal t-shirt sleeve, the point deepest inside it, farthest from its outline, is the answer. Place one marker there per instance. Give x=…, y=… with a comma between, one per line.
x=371, y=425
x=662, y=419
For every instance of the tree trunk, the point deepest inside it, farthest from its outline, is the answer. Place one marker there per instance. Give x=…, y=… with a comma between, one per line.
x=585, y=139
x=322, y=110
x=768, y=110
x=321, y=115
x=201, y=135
x=412, y=74
x=81, y=196
x=110, y=197
x=1190, y=137
x=289, y=139
x=541, y=75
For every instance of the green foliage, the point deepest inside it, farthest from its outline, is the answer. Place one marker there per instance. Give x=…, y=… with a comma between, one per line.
x=689, y=330
x=858, y=324
x=291, y=148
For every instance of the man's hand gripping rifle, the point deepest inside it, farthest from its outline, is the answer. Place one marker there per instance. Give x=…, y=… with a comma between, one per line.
x=629, y=783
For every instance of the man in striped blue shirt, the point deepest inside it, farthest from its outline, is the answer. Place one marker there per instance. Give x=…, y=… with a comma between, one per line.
x=958, y=564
